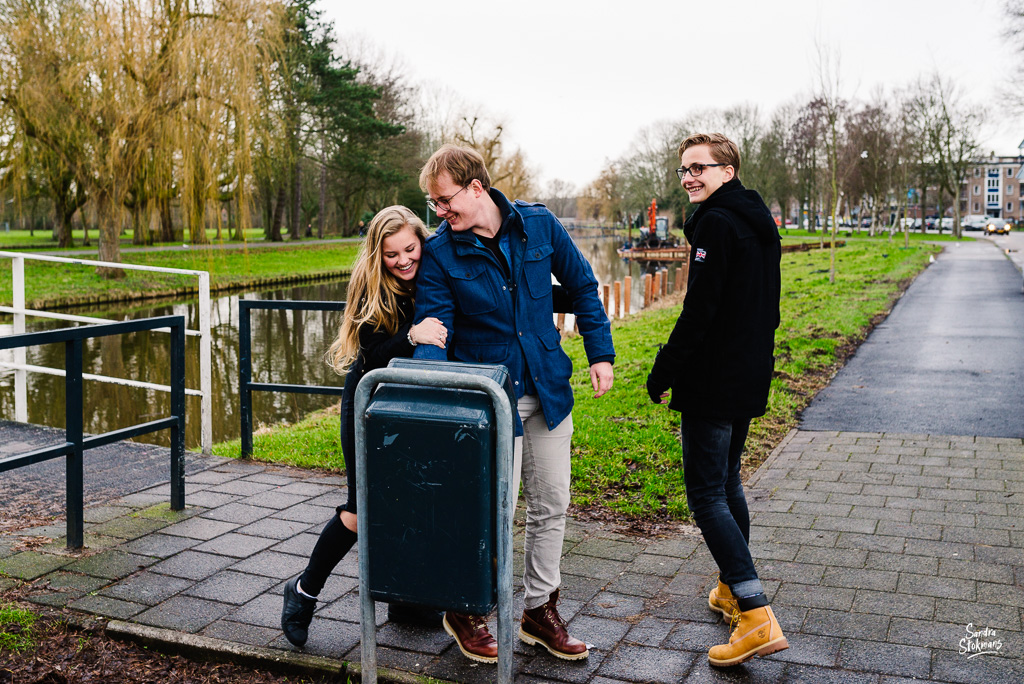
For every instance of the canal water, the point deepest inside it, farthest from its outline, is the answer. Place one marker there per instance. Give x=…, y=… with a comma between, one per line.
x=287, y=347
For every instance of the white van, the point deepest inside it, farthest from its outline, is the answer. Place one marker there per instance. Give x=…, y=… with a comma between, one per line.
x=974, y=222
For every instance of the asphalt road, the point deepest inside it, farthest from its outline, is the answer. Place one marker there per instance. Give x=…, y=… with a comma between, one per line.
x=948, y=360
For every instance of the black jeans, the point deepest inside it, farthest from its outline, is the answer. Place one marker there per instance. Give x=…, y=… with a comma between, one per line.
x=714, y=492
x=348, y=443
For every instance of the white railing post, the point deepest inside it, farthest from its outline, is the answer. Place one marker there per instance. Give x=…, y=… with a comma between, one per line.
x=20, y=376
x=205, y=363
x=20, y=312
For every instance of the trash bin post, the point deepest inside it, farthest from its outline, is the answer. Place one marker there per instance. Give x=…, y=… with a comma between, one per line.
x=503, y=471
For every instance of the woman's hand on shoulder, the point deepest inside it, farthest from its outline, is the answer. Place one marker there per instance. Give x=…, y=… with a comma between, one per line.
x=429, y=331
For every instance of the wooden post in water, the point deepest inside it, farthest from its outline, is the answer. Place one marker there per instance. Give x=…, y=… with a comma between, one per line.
x=606, y=291
x=664, y=282
x=627, y=293
x=647, y=290
x=656, y=286
x=680, y=284
x=617, y=310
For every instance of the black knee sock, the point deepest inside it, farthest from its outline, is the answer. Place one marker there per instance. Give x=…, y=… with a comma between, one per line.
x=334, y=542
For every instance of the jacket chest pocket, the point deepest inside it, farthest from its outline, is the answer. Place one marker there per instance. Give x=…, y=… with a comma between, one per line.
x=537, y=270
x=474, y=290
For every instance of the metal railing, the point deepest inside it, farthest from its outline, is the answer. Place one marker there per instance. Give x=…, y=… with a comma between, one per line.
x=21, y=367
x=245, y=384
x=75, y=441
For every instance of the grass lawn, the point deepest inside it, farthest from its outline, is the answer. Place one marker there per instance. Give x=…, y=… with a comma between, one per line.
x=49, y=284
x=16, y=634
x=852, y=234
x=20, y=239
x=626, y=453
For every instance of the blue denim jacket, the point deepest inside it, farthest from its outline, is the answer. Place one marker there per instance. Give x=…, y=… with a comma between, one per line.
x=494, y=320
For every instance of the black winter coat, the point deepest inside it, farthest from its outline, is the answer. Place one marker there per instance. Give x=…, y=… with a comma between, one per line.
x=719, y=358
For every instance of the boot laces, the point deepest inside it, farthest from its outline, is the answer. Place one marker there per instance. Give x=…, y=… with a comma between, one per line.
x=734, y=622
x=553, y=615
x=477, y=622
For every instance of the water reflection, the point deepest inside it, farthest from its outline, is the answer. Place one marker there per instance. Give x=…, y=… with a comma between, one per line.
x=288, y=347
x=609, y=266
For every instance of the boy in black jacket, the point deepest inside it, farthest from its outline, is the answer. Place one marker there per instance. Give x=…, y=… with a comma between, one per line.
x=718, y=362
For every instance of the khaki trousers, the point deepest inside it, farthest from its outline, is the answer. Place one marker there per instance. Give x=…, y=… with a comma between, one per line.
x=542, y=465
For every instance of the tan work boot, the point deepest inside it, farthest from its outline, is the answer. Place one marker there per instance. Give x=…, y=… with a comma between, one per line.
x=755, y=632
x=722, y=601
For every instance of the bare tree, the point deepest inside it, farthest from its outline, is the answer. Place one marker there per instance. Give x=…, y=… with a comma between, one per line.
x=510, y=172
x=833, y=106
x=603, y=198
x=950, y=128
x=560, y=198
x=1014, y=33
x=131, y=95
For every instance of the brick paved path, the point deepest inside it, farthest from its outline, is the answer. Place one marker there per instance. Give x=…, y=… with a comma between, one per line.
x=110, y=471
x=877, y=551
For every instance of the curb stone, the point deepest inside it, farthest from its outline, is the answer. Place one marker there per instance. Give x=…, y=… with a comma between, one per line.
x=285, y=662
x=768, y=462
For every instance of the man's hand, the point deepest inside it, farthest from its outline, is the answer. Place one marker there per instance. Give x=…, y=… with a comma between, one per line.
x=601, y=377
x=656, y=392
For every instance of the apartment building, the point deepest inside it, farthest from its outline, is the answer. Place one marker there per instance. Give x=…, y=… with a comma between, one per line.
x=995, y=186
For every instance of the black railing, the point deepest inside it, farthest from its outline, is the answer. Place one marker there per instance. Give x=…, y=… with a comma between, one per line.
x=245, y=384
x=75, y=441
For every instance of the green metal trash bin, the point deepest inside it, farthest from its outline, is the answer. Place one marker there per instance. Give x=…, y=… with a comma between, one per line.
x=431, y=479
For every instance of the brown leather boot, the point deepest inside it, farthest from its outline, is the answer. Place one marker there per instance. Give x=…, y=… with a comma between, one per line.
x=472, y=636
x=722, y=601
x=543, y=625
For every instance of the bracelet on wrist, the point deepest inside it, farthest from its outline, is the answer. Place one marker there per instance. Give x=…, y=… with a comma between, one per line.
x=408, y=336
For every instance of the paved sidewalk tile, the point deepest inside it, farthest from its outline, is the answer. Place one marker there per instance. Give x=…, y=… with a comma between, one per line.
x=877, y=551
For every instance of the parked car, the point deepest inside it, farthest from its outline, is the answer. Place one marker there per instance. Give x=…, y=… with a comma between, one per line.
x=974, y=222
x=998, y=226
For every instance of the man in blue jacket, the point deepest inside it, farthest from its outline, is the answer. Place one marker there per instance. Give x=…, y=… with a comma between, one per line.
x=718, y=362
x=486, y=275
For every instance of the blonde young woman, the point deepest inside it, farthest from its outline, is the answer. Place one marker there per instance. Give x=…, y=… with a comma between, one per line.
x=376, y=328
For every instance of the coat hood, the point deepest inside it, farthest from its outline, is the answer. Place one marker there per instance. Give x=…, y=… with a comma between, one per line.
x=746, y=204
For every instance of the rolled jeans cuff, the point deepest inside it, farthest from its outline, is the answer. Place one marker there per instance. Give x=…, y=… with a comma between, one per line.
x=747, y=588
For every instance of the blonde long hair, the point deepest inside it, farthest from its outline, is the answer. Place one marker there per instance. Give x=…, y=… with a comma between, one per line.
x=373, y=292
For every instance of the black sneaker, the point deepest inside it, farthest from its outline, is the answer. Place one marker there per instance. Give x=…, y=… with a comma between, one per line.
x=296, y=614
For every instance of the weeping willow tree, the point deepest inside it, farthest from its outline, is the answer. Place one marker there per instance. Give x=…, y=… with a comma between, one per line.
x=142, y=100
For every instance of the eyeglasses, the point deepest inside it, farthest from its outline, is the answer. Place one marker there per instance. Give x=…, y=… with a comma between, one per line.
x=694, y=169
x=442, y=202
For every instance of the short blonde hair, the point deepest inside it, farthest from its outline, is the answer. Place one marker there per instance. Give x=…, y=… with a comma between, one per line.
x=723, y=150
x=463, y=164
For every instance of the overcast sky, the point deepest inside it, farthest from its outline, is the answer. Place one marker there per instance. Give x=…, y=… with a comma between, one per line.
x=575, y=81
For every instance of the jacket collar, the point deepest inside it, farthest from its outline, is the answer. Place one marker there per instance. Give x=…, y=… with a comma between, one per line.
x=509, y=218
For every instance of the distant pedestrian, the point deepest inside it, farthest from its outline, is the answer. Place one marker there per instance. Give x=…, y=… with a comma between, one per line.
x=718, y=363
x=377, y=327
